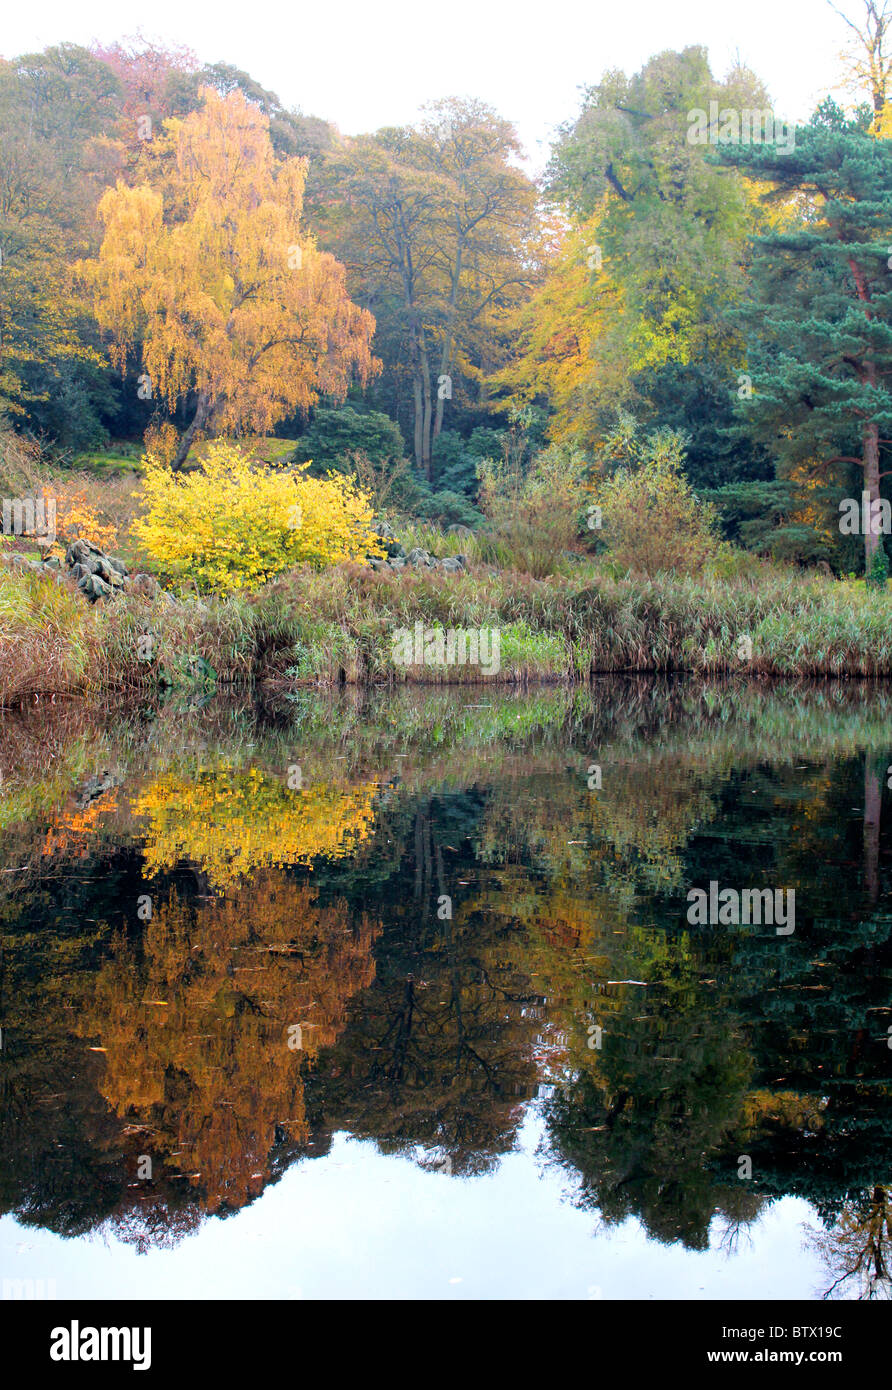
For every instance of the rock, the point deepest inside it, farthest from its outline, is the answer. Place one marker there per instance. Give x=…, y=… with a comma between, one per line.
x=144, y=584
x=420, y=558
x=417, y=557
x=95, y=587
x=94, y=787
x=103, y=576
x=456, y=529
x=83, y=552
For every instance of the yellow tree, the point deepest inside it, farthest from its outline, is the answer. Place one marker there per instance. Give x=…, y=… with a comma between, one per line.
x=567, y=335
x=206, y=267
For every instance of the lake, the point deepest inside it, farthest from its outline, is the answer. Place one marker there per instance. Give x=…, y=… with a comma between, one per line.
x=401, y=994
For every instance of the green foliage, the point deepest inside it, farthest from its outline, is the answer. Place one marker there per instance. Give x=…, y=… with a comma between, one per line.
x=879, y=570
x=534, y=513
x=448, y=509
x=670, y=224
x=652, y=519
x=334, y=435
x=819, y=349
x=697, y=399
x=456, y=459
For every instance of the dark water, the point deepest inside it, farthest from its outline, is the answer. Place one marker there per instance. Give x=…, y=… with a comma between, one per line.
x=399, y=996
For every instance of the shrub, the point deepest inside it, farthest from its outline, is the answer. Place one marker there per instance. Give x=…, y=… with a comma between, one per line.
x=652, y=519
x=448, y=509
x=336, y=434
x=232, y=524
x=534, y=515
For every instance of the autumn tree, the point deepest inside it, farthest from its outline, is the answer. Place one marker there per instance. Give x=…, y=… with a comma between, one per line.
x=435, y=224
x=154, y=83
x=56, y=108
x=868, y=62
x=646, y=250
x=207, y=271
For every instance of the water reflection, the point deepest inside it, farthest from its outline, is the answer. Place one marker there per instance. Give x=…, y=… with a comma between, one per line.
x=229, y=934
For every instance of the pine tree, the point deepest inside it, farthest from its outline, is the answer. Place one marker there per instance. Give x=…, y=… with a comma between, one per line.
x=818, y=323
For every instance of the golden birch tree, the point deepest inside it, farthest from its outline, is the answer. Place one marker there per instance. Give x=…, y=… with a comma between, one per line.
x=205, y=270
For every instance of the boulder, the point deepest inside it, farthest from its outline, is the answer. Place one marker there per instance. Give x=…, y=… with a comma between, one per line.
x=95, y=587
x=417, y=558
x=144, y=584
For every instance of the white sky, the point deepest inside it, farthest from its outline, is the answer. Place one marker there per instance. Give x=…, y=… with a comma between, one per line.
x=367, y=63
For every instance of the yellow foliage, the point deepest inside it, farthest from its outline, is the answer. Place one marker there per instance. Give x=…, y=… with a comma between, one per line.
x=231, y=824
x=208, y=271
x=233, y=523
x=567, y=335
x=161, y=443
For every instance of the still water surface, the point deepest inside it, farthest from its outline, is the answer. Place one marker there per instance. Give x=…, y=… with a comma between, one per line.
x=397, y=996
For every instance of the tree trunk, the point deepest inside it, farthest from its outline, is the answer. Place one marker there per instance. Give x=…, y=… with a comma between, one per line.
x=872, y=540
x=870, y=448
x=425, y=371
x=449, y=332
x=199, y=420
x=873, y=801
x=419, y=374
x=419, y=420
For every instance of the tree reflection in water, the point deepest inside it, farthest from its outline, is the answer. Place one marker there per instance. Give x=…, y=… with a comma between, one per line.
x=458, y=927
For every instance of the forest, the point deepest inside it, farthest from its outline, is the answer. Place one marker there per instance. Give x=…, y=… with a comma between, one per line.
x=424, y=573
x=269, y=392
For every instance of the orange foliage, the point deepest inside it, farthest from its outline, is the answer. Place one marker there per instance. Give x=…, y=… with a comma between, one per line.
x=195, y=1026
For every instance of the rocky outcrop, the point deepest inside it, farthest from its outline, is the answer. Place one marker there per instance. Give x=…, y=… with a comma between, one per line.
x=97, y=575
x=417, y=558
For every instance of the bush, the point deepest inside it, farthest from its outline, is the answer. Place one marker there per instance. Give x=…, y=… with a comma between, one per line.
x=335, y=435
x=233, y=524
x=456, y=459
x=448, y=509
x=534, y=516
x=652, y=520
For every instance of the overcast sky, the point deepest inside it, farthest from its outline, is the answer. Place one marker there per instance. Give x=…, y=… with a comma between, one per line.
x=368, y=63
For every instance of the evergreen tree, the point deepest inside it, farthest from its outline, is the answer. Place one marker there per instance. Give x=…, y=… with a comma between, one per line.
x=819, y=332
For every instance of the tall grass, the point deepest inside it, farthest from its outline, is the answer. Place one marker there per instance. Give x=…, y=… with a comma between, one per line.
x=46, y=636
x=322, y=628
